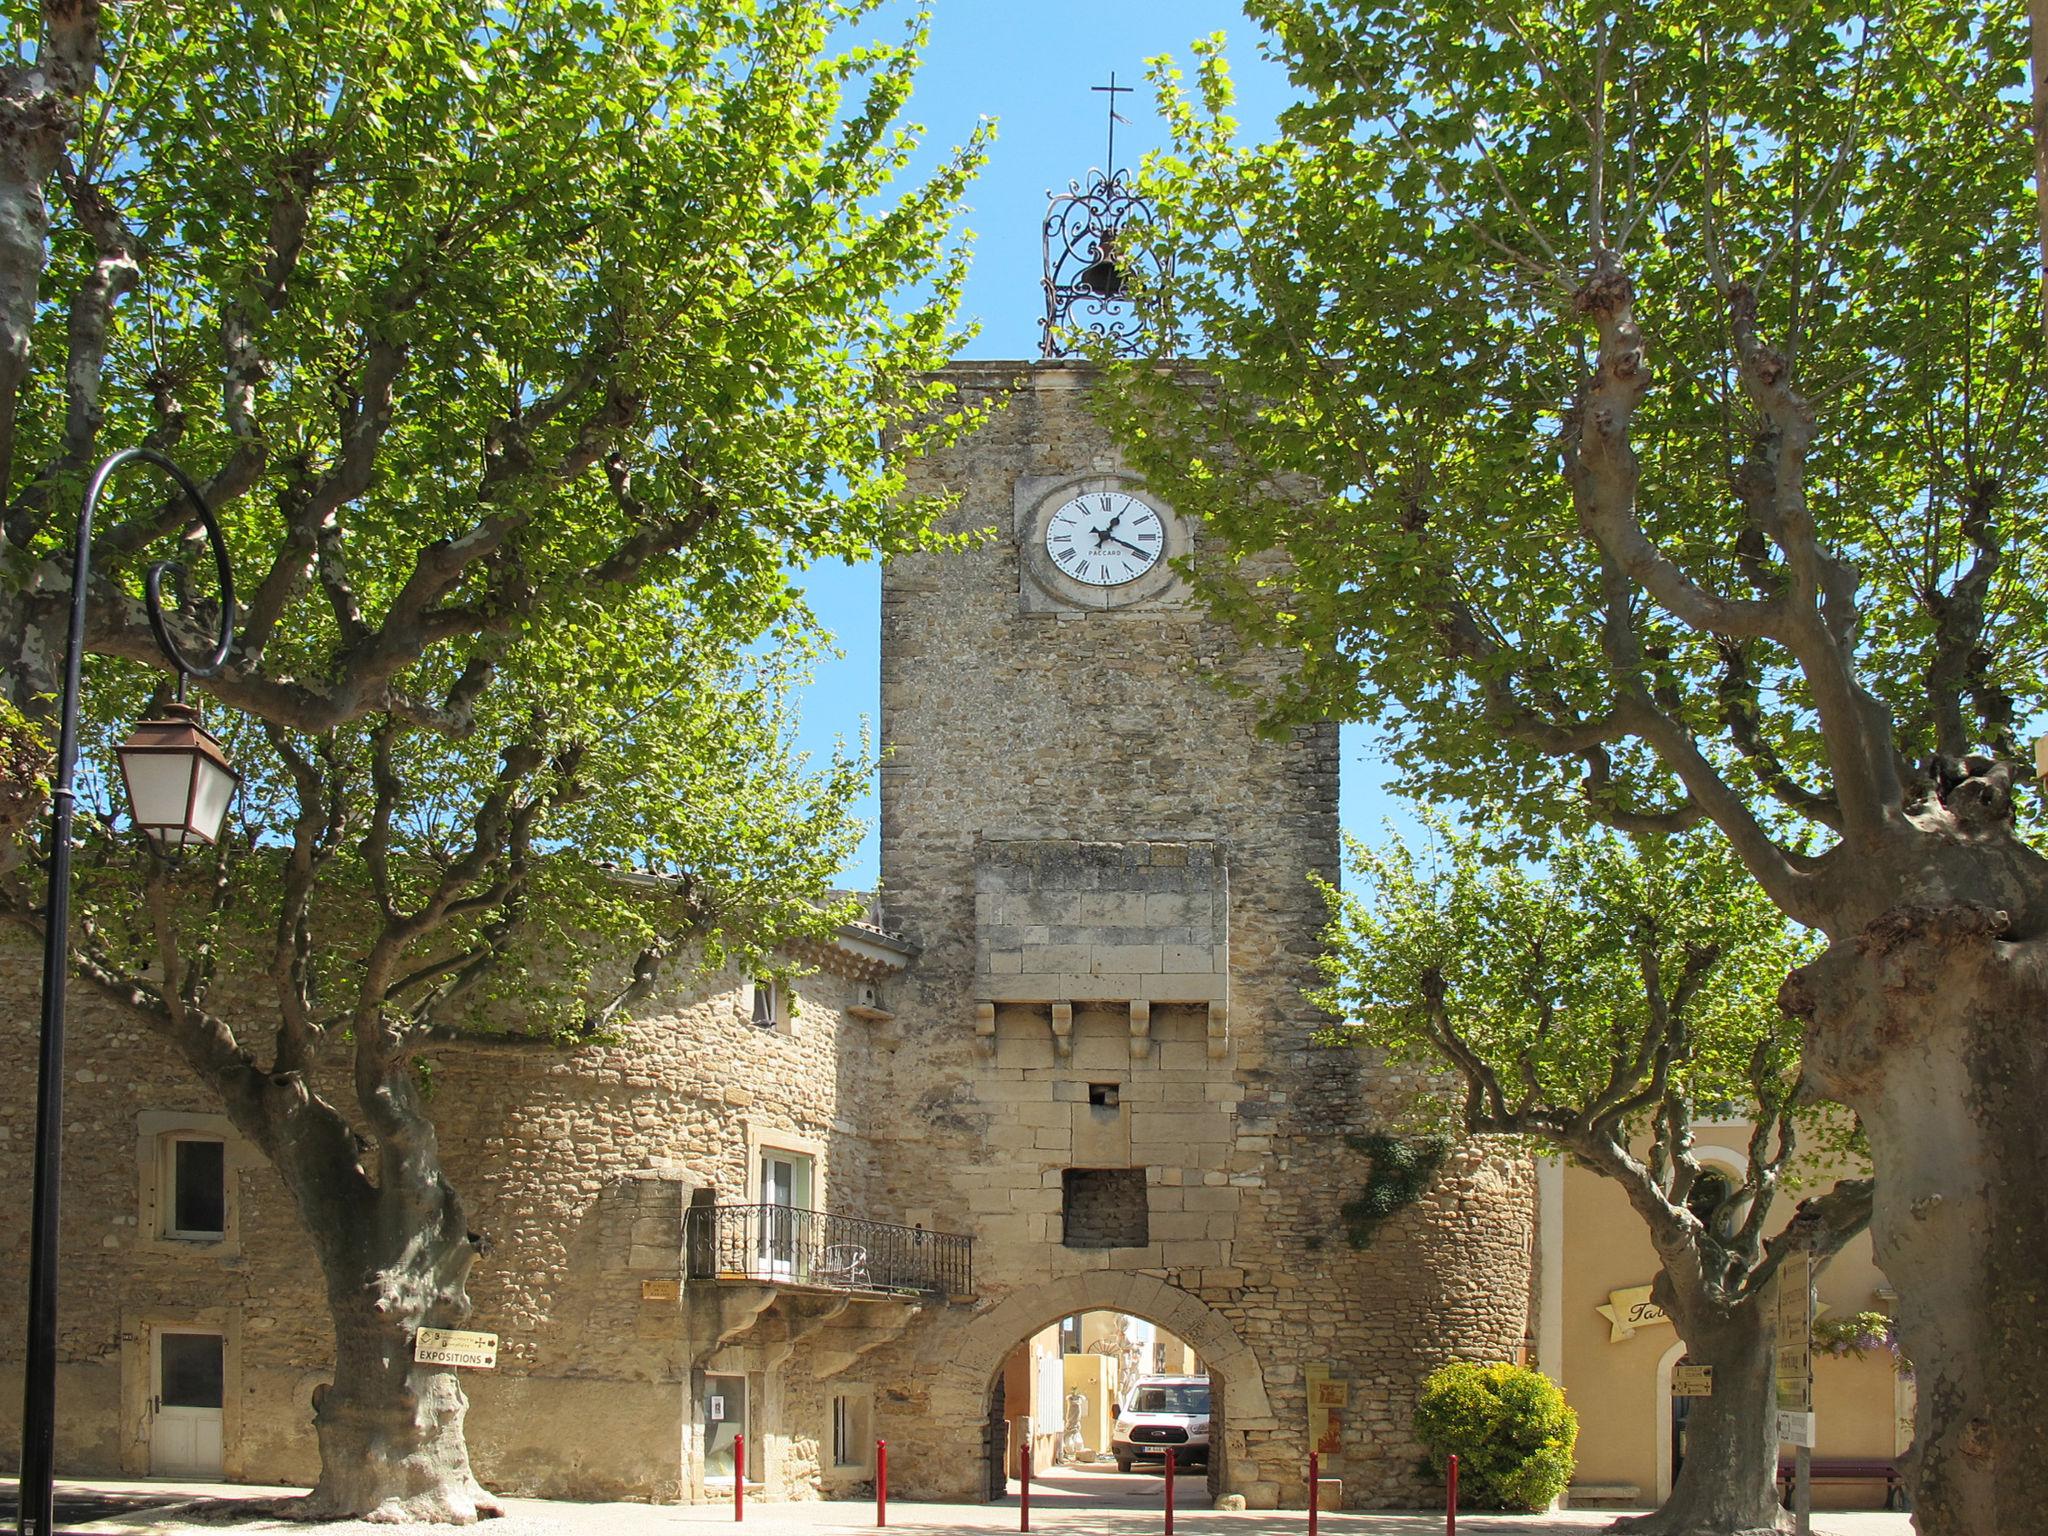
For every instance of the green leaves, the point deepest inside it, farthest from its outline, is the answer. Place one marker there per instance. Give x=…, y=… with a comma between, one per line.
x=1560, y=980
x=1386, y=299
x=1509, y=1427
x=526, y=354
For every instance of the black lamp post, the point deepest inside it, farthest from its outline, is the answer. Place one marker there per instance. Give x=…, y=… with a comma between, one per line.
x=179, y=785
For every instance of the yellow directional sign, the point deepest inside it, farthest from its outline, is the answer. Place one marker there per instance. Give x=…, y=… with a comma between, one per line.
x=1327, y=1400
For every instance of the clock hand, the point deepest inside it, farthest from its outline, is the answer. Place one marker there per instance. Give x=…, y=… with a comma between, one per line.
x=1127, y=544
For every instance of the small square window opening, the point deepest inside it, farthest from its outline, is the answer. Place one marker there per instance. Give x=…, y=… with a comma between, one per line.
x=1104, y=1095
x=1103, y=1208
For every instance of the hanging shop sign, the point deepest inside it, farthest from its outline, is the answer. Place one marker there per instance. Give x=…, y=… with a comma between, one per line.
x=1628, y=1310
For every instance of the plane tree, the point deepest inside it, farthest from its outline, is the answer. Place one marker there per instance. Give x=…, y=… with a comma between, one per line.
x=1646, y=402
x=1597, y=1006
x=523, y=353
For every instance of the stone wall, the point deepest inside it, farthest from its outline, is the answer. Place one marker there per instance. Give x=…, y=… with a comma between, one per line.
x=575, y=1166
x=1020, y=734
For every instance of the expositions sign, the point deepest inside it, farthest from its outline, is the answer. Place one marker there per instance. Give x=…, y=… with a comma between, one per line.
x=451, y=1346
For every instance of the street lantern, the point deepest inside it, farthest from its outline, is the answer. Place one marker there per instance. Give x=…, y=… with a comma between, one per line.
x=179, y=786
x=179, y=780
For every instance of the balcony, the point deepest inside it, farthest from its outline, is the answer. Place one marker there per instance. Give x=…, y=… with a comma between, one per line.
x=784, y=1245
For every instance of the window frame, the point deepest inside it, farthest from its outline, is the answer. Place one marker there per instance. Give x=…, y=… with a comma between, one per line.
x=781, y=1000
x=859, y=1405
x=157, y=1133
x=168, y=1227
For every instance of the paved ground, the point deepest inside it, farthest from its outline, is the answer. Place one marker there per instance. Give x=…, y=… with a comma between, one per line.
x=1068, y=1502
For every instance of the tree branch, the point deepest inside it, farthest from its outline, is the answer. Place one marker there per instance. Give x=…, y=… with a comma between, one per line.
x=39, y=110
x=1823, y=618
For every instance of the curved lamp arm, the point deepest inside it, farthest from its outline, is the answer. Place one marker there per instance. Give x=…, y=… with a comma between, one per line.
x=187, y=665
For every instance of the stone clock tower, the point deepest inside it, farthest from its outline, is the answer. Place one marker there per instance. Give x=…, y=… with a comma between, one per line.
x=1104, y=1064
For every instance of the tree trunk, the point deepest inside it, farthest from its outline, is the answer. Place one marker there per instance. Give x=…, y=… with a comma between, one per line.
x=396, y=1256
x=391, y=1431
x=1731, y=1446
x=1929, y=1025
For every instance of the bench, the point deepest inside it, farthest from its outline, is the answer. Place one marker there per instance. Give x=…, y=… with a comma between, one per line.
x=1847, y=1469
x=1588, y=1495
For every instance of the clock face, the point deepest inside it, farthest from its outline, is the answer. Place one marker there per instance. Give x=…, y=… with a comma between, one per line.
x=1105, y=538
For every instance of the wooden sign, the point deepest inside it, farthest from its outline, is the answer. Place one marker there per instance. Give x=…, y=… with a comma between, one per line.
x=1692, y=1381
x=451, y=1346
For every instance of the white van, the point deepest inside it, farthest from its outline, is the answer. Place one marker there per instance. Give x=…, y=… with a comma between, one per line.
x=1161, y=1412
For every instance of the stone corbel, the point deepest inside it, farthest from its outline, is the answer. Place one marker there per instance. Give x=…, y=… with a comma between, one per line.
x=1219, y=1030
x=985, y=1028
x=1063, y=1030
x=1141, y=1028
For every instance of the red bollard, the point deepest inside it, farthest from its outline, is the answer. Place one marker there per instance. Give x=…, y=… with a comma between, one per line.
x=1024, y=1488
x=881, y=1483
x=1451, y=1511
x=1314, y=1490
x=739, y=1477
x=1169, y=1491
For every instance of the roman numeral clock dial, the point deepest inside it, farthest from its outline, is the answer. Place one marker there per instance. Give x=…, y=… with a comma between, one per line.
x=1104, y=538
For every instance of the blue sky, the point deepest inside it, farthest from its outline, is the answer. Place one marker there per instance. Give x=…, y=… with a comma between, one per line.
x=1029, y=64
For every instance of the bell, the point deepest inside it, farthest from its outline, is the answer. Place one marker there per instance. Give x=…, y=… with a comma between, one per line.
x=1102, y=278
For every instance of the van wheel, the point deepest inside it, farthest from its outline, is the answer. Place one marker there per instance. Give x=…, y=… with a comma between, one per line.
x=1123, y=1464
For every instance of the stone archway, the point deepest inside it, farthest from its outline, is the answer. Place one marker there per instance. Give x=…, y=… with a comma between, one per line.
x=972, y=1355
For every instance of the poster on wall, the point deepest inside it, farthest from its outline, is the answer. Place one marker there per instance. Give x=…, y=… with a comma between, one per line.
x=714, y=1408
x=1327, y=1400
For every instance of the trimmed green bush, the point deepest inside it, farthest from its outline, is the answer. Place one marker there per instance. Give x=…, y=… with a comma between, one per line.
x=1508, y=1426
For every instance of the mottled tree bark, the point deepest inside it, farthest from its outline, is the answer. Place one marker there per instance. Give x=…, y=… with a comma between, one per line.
x=1731, y=1448
x=390, y=1429
x=395, y=1252
x=1929, y=1023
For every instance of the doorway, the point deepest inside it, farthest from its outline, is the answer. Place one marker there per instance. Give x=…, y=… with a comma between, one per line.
x=785, y=1193
x=725, y=1420
x=187, y=1381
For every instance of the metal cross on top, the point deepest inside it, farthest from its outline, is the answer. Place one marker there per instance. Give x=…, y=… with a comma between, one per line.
x=1115, y=117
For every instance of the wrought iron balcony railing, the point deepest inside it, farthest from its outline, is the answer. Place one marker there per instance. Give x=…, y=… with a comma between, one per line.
x=785, y=1245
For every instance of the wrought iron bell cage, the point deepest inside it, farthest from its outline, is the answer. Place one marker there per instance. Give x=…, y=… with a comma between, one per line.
x=1099, y=255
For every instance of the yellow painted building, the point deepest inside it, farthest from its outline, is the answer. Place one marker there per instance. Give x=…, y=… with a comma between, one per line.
x=1616, y=1368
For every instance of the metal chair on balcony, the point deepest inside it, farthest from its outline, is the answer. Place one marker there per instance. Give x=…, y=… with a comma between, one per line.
x=842, y=1264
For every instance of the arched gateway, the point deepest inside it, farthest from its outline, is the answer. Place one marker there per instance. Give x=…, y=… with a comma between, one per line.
x=942, y=1453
